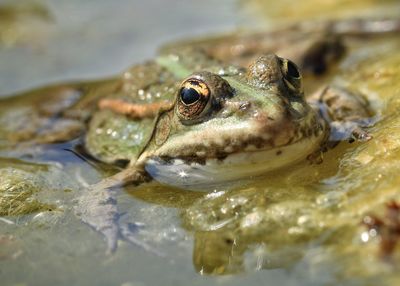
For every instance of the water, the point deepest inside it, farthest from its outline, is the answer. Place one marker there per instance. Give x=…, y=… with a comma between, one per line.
x=98, y=38
x=297, y=226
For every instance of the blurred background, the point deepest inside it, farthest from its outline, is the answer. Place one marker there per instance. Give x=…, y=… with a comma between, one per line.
x=46, y=41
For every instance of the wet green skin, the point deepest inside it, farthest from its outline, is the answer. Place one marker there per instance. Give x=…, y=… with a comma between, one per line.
x=60, y=112
x=112, y=137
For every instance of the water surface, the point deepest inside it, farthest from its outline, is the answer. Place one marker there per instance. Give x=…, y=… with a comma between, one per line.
x=297, y=226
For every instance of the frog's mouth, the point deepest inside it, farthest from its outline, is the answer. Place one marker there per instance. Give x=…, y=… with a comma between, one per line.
x=243, y=165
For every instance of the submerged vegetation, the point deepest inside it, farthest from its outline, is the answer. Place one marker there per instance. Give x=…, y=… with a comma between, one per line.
x=18, y=190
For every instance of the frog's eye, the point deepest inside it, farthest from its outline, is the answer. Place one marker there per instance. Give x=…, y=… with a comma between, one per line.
x=292, y=69
x=189, y=95
x=291, y=75
x=192, y=98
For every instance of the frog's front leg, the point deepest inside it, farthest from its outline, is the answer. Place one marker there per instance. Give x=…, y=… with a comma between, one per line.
x=97, y=207
x=347, y=113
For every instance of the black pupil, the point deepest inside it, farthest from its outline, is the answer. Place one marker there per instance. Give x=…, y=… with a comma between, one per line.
x=292, y=70
x=189, y=95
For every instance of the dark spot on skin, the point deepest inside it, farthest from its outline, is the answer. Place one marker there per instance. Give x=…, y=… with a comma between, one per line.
x=194, y=82
x=257, y=142
x=221, y=155
x=279, y=152
x=285, y=100
x=271, y=143
x=270, y=118
x=166, y=160
x=229, y=241
x=304, y=132
x=301, y=132
x=317, y=131
x=121, y=163
x=193, y=159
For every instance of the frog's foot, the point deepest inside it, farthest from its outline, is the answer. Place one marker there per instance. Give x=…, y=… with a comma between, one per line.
x=348, y=131
x=98, y=208
x=134, y=110
x=347, y=113
x=359, y=134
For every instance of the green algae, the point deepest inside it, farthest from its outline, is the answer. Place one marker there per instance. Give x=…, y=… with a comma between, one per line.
x=18, y=190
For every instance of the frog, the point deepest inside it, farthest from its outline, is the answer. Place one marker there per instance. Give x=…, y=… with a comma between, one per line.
x=223, y=128
x=199, y=120
x=203, y=126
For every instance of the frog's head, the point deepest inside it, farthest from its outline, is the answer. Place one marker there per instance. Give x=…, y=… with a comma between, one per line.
x=231, y=127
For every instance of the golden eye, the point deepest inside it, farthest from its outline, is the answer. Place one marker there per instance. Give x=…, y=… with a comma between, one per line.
x=193, y=97
x=292, y=70
x=291, y=76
